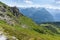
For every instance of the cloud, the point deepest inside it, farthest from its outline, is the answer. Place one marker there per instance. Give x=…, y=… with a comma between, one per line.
x=49, y=6
x=28, y=2
x=58, y=2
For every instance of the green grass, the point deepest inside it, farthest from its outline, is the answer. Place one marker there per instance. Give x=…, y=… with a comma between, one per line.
x=19, y=32
x=27, y=33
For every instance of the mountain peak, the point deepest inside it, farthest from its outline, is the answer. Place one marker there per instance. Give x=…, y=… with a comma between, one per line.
x=39, y=15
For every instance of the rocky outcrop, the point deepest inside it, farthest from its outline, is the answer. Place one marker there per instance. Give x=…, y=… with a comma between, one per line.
x=8, y=13
x=15, y=11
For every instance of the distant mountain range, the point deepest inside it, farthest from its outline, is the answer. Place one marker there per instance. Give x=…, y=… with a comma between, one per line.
x=55, y=13
x=39, y=15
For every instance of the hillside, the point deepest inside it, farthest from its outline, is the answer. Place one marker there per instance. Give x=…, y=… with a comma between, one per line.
x=15, y=26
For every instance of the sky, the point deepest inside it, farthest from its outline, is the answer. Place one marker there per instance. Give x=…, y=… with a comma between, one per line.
x=55, y=4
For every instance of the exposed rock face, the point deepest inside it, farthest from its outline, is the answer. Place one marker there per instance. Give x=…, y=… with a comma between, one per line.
x=8, y=13
x=15, y=11
x=2, y=9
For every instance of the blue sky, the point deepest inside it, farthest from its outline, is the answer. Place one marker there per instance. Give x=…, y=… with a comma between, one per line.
x=55, y=4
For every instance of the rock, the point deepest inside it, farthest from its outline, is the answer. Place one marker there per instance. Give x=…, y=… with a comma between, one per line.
x=3, y=37
x=15, y=11
x=2, y=9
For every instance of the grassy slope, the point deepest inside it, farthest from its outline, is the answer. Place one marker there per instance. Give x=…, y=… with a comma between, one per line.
x=27, y=33
x=26, y=29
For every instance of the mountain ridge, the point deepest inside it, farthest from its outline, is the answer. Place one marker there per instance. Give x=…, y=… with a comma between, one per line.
x=38, y=14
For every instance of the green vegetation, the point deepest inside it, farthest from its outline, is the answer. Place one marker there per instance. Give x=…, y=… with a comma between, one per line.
x=40, y=32
x=23, y=28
